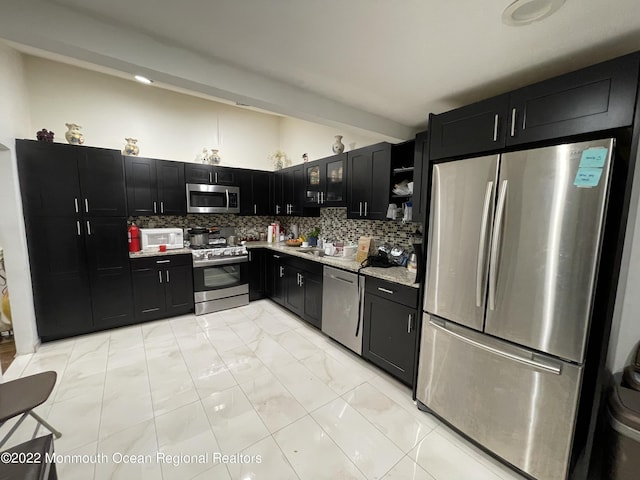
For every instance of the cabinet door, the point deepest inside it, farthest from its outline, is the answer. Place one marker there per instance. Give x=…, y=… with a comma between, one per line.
x=179, y=289
x=313, y=183
x=142, y=195
x=599, y=97
x=312, y=294
x=279, y=207
x=294, y=296
x=198, y=173
x=297, y=199
x=262, y=190
x=475, y=128
x=171, y=188
x=225, y=176
x=389, y=336
x=245, y=182
x=287, y=191
x=49, y=179
x=358, y=182
x=102, y=182
x=277, y=279
x=334, y=186
x=421, y=176
x=378, y=200
x=59, y=275
x=109, y=273
x=149, y=298
x=257, y=274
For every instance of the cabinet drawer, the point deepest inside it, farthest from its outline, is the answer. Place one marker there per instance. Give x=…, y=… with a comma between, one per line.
x=307, y=265
x=161, y=261
x=393, y=291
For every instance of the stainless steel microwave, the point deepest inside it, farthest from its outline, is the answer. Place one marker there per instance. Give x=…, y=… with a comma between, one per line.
x=212, y=198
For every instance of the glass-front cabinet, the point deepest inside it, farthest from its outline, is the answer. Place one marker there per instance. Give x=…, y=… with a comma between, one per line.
x=325, y=184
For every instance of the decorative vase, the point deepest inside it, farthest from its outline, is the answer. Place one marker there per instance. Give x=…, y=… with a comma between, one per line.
x=338, y=146
x=131, y=148
x=215, y=157
x=313, y=241
x=73, y=135
x=210, y=156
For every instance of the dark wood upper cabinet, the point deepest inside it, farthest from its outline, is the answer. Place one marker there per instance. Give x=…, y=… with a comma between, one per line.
x=475, y=128
x=256, y=192
x=208, y=174
x=58, y=179
x=421, y=177
x=325, y=182
x=599, y=97
x=171, y=187
x=368, y=181
x=155, y=187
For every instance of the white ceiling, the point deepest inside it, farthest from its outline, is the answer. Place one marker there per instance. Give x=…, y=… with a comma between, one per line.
x=379, y=65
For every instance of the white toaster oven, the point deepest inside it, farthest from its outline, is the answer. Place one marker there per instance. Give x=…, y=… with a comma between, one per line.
x=152, y=238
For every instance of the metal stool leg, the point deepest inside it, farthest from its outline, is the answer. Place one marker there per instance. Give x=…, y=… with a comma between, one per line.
x=55, y=432
x=13, y=429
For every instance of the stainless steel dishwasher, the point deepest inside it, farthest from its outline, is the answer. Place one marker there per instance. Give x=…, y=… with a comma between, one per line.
x=342, y=294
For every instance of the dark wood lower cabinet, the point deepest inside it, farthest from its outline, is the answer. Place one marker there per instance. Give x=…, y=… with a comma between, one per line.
x=162, y=286
x=296, y=284
x=389, y=336
x=257, y=274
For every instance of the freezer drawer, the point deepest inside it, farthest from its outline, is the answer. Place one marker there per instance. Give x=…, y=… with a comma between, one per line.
x=518, y=404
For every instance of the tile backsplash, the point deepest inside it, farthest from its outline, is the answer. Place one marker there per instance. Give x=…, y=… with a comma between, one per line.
x=333, y=224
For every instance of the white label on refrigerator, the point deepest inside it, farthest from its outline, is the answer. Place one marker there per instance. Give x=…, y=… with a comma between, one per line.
x=594, y=157
x=587, y=177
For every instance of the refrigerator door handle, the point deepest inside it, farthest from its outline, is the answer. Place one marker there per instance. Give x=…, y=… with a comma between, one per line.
x=495, y=245
x=482, y=244
x=538, y=364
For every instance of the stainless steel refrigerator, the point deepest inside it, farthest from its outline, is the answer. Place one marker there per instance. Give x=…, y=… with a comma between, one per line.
x=512, y=256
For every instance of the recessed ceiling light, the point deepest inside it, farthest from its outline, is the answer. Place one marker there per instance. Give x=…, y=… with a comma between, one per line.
x=524, y=12
x=144, y=80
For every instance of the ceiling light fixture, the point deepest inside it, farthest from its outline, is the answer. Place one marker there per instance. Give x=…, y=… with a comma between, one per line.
x=142, y=79
x=524, y=12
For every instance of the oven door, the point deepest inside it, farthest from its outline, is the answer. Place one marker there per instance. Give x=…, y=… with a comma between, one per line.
x=212, y=199
x=220, y=278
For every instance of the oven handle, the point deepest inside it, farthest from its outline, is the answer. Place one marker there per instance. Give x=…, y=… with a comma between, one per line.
x=221, y=261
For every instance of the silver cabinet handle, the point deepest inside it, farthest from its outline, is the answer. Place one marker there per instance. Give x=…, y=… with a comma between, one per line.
x=322, y=193
x=513, y=122
x=547, y=366
x=249, y=255
x=75, y=200
x=482, y=243
x=88, y=228
x=281, y=271
x=276, y=256
x=163, y=261
x=161, y=207
x=277, y=209
x=385, y=290
x=226, y=192
x=167, y=276
x=495, y=128
x=255, y=209
x=360, y=209
x=78, y=225
x=160, y=275
x=365, y=208
x=298, y=279
x=210, y=178
x=495, y=245
x=409, y=323
x=86, y=205
x=301, y=280
x=155, y=209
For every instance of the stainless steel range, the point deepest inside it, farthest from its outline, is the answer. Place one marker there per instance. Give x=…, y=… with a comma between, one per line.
x=220, y=278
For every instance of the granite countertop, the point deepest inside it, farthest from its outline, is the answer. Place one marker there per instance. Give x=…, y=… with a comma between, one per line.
x=156, y=253
x=392, y=274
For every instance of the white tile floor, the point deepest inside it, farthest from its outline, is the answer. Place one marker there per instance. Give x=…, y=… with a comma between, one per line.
x=254, y=381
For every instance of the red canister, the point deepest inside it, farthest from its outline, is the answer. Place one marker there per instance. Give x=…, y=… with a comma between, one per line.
x=134, y=238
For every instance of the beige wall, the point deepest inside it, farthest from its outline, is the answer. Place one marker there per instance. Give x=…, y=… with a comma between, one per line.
x=14, y=122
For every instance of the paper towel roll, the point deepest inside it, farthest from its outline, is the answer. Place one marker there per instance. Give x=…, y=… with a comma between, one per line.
x=270, y=234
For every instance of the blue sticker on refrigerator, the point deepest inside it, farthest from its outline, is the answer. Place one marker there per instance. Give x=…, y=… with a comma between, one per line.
x=587, y=177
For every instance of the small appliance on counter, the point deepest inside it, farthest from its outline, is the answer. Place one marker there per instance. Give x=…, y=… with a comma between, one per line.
x=152, y=238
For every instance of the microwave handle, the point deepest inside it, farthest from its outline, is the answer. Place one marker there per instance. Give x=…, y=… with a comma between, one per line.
x=227, y=192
